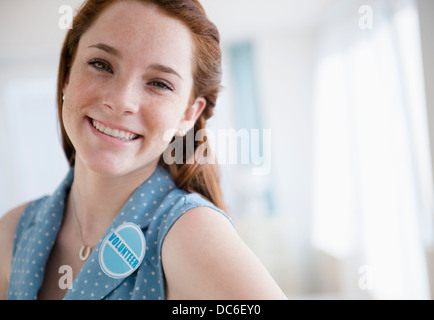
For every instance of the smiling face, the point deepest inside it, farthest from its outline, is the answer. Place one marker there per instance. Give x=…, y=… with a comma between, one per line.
x=130, y=82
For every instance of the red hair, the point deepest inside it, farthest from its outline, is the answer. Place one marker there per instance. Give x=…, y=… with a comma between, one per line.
x=199, y=178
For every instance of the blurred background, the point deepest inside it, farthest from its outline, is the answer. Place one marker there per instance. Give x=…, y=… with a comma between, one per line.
x=338, y=201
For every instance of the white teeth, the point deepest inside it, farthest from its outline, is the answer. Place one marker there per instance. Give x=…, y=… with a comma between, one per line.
x=119, y=134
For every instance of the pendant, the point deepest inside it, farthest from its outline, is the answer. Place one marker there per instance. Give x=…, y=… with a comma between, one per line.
x=83, y=257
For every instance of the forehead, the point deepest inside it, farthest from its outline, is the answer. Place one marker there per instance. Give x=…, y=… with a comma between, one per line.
x=142, y=32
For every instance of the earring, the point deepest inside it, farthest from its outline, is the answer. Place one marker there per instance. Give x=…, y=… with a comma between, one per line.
x=63, y=97
x=183, y=132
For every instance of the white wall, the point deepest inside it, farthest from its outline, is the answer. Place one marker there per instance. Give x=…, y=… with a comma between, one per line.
x=285, y=63
x=426, y=14
x=32, y=162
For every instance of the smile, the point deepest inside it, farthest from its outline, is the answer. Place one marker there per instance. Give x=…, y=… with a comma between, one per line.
x=115, y=133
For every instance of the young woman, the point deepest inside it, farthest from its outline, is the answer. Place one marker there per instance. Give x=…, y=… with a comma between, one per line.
x=124, y=224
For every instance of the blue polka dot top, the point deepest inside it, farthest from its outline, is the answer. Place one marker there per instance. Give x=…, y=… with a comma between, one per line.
x=154, y=207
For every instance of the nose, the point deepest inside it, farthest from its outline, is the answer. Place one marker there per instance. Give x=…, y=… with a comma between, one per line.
x=123, y=97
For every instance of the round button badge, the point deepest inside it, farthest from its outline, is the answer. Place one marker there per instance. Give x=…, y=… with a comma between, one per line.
x=122, y=251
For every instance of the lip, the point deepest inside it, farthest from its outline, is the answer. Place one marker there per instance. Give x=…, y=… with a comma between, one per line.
x=111, y=139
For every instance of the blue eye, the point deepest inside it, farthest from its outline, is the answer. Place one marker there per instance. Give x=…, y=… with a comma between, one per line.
x=101, y=65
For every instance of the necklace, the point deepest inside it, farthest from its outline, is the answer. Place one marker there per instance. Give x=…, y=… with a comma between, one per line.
x=84, y=250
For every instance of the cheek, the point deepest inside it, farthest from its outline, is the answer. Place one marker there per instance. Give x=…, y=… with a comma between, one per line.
x=81, y=87
x=159, y=124
x=164, y=113
x=79, y=93
x=162, y=126
x=69, y=113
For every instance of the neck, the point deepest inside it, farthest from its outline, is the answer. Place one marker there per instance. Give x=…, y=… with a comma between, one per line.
x=98, y=198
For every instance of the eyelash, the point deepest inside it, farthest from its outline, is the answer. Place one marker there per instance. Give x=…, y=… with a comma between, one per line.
x=105, y=64
x=160, y=85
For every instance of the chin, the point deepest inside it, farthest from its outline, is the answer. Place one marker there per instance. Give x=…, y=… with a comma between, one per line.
x=109, y=168
x=112, y=166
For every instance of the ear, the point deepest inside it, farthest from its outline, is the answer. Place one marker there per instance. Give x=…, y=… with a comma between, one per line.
x=192, y=113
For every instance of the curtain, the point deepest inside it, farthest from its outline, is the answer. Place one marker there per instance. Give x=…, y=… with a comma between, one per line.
x=373, y=194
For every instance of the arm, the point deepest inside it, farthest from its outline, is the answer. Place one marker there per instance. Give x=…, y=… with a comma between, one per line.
x=8, y=225
x=204, y=258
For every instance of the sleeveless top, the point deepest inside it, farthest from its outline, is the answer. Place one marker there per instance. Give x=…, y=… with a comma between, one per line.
x=154, y=207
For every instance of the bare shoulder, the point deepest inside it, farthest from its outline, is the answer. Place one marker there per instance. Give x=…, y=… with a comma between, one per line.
x=204, y=258
x=8, y=224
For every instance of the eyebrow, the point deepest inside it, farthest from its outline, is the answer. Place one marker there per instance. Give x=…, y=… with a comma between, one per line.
x=163, y=68
x=107, y=49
